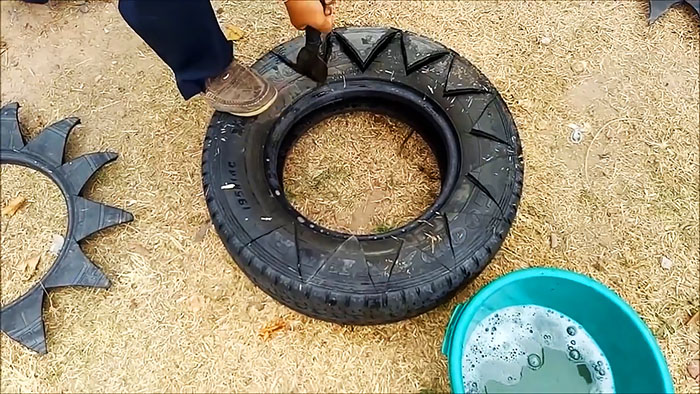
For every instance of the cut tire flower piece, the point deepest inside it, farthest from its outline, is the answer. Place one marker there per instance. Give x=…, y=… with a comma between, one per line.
x=22, y=319
x=659, y=7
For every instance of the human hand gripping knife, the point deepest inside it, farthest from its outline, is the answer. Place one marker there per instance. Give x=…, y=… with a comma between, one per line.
x=309, y=60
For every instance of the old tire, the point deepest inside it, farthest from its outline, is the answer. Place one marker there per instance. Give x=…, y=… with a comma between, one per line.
x=377, y=278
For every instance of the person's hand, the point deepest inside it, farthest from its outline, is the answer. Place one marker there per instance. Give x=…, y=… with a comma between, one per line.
x=329, y=8
x=303, y=13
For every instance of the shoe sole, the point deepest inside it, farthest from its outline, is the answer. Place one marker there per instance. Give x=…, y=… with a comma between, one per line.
x=255, y=112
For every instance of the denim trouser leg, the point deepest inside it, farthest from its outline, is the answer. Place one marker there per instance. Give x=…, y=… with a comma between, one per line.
x=185, y=34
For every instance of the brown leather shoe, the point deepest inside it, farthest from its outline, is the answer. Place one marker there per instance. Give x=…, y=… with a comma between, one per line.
x=240, y=91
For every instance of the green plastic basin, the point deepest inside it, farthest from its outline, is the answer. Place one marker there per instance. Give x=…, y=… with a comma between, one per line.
x=637, y=363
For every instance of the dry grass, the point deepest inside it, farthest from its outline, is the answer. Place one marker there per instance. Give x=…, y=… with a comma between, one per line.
x=361, y=173
x=30, y=231
x=180, y=316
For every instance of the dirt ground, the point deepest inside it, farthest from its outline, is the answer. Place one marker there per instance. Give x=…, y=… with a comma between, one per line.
x=26, y=237
x=180, y=315
x=361, y=173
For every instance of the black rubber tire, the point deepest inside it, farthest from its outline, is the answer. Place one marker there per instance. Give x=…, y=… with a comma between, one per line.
x=374, y=278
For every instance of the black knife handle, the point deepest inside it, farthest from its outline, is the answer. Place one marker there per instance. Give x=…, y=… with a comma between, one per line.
x=313, y=38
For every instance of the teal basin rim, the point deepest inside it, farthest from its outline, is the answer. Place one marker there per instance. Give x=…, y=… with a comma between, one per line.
x=464, y=313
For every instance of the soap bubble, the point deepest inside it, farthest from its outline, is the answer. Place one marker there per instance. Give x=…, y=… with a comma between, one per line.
x=534, y=361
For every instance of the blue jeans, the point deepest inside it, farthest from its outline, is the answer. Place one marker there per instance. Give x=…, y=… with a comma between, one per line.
x=185, y=35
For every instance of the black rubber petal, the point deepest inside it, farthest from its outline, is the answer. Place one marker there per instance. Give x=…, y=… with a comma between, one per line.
x=75, y=269
x=695, y=4
x=347, y=260
x=309, y=257
x=51, y=142
x=414, y=262
x=419, y=51
x=10, y=134
x=92, y=217
x=426, y=249
x=459, y=199
x=281, y=244
x=659, y=7
x=363, y=45
x=466, y=227
x=288, y=52
x=463, y=78
x=380, y=256
x=490, y=125
x=80, y=170
x=485, y=178
x=22, y=321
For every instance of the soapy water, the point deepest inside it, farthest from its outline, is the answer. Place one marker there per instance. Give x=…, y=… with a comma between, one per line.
x=529, y=348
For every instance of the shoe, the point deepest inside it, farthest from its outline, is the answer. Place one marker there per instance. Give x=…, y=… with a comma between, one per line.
x=239, y=91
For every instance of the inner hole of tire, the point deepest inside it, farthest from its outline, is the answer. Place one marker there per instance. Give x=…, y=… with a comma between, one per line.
x=360, y=172
x=34, y=212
